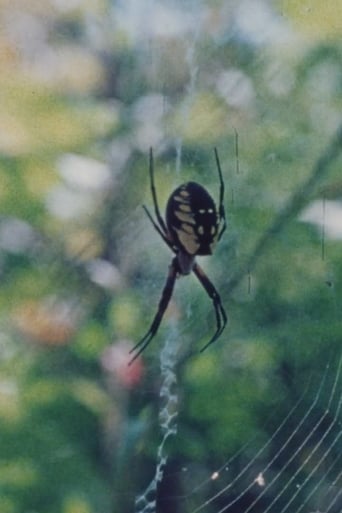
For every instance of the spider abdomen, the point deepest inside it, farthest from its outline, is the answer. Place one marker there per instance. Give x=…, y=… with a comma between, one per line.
x=192, y=219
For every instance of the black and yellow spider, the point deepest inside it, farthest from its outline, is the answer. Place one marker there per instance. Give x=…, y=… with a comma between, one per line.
x=193, y=227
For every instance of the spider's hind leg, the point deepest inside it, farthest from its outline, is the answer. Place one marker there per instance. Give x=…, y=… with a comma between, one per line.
x=221, y=316
x=141, y=345
x=164, y=301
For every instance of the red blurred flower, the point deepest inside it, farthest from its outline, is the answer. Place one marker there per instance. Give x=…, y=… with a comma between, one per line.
x=115, y=359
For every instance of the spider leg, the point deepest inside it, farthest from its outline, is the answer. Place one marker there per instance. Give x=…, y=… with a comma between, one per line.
x=222, y=213
x=154, y=195
x=164, y=301
x=221, y=316
x=156, y=227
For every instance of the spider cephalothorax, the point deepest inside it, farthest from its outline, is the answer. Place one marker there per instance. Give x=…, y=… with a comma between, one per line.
x=193, y=226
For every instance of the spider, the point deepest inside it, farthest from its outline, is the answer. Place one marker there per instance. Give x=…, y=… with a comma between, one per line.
x=193, y=226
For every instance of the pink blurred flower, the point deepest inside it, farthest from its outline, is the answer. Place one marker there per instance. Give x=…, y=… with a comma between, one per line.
x=115, y=359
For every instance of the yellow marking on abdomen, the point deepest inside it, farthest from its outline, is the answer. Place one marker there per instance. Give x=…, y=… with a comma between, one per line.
x=184, y=193
x=184, y=217
x=184, y=207
x=189, y=242
x=188, y=229
x=180, y=199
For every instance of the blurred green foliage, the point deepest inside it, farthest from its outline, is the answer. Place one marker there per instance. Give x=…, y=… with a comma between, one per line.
x=84, y=93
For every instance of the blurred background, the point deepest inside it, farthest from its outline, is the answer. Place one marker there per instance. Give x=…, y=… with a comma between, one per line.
x=86, y=89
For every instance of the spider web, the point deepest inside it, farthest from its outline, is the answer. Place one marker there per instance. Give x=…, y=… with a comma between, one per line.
x=303, y=433
x=146, y=503
x=304, y=471
x=298, y=467
x=305, y=467
x=303, y=474
x=291, y=463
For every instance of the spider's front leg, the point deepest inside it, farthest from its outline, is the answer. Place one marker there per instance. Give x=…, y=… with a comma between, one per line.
x=221, y=211
x=164, y=301
x=163, y=235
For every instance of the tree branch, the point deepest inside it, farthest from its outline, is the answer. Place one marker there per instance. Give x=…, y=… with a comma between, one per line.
x=292, y=207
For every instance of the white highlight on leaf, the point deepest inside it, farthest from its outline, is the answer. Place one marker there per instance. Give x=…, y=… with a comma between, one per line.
x=84, y=172
x=332, y=219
